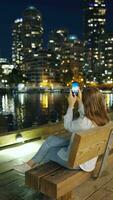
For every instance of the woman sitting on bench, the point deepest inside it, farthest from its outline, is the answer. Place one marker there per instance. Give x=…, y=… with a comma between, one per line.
x=93, y=112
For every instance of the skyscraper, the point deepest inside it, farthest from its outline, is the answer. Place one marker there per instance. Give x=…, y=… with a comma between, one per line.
x=17, y=46
x=32, y=32
x=56, y=44
x=108, y=73
x=94, y=29
x=67, y=55
x=27, y=42
x=57, y=41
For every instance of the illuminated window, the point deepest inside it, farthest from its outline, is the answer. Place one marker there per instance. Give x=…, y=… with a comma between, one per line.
x=33, y=45
x=27, y=35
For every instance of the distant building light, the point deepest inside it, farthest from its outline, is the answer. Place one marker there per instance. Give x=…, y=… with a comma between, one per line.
x=7, y=68
x=109, y=48
x=35, y=55
x=51, y=41
x=38, y=17
x=34, y=32
x=18, y=20
x=33, y=45
x=48, y=55
x=56, y=48
x=58, y=57
x=27, y=35
x=95, y=4
x=73, y=37
x=3, y=60
x=60, y=31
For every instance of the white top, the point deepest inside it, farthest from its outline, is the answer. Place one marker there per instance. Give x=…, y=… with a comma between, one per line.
x=76, y=126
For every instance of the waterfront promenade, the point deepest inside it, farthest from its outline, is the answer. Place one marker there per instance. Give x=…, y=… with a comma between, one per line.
x=12, y=184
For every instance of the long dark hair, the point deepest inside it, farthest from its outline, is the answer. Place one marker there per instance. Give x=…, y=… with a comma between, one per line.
x=94, y=106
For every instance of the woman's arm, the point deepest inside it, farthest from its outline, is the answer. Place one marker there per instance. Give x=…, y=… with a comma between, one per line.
x=82, y=122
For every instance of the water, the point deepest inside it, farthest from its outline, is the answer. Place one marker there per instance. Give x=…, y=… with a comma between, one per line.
x=27, y=110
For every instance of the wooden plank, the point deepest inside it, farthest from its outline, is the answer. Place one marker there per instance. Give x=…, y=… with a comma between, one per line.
x=12, y=187
x=18, y=191
x=88, y=188
x=102, y=195
x=68, y=196
x=62, y=181
x=33, y=176
x=109, y=186
x=88, y=144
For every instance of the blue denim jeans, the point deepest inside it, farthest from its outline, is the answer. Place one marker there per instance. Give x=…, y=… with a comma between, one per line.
x=48, y=150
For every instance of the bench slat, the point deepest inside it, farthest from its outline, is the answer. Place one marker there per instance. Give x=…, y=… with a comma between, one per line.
x=96, y=140
x=62, y=181
x=33, y=176
x=55, y=187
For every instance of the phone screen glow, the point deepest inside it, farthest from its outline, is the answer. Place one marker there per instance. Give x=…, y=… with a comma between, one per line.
x=75, y=88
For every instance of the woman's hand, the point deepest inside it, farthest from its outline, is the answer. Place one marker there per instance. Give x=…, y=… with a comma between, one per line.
x=72, y=100
x=79, y=97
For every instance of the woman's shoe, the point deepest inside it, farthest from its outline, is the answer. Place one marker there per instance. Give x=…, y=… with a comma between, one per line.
x=22, y=168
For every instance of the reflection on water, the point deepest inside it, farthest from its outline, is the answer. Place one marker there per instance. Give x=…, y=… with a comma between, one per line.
x=44, y=100
x=26, y=110
x=7, y=104
x=109, y=100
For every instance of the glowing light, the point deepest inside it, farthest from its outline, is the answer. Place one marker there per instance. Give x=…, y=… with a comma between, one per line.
x=20, y=151
x=21, y=86
x=18, y=20
x=44, y=100
x=19, y=138
x=73, y=37
x=51, y=41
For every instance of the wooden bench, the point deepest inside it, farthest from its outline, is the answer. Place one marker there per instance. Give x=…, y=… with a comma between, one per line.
x=58, y=182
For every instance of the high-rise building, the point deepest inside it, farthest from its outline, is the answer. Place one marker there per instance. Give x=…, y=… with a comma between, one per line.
x=74, y=52
x=27, y=42
x=94, y=29
x=56, y=44
x=17, y=51
x=67, y=52
x=32, y=32
x=57, y=41
x=72, y=58
x=5, y=69
x=108, y=62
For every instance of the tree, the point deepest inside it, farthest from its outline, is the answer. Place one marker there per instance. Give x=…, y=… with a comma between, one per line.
x=67, y=76
x=16, y=77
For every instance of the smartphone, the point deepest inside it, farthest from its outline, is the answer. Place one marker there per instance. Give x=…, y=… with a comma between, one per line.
x=75, y=88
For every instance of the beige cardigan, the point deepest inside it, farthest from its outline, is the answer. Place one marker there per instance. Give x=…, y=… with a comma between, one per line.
x=74, y=126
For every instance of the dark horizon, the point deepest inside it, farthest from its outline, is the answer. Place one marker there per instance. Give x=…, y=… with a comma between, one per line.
x=55, y=14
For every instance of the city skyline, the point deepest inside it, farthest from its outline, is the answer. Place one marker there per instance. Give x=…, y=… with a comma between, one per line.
x=57, y=14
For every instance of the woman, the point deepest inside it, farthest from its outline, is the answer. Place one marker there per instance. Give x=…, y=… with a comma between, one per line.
x=92, y=110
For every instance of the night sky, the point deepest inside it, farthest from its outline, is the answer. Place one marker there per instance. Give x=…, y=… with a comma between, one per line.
x=55, y=13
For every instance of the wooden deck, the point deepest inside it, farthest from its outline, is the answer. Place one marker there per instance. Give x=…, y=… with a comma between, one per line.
x=12, y=185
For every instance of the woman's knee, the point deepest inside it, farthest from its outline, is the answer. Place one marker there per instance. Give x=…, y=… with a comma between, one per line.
x=50, y=138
